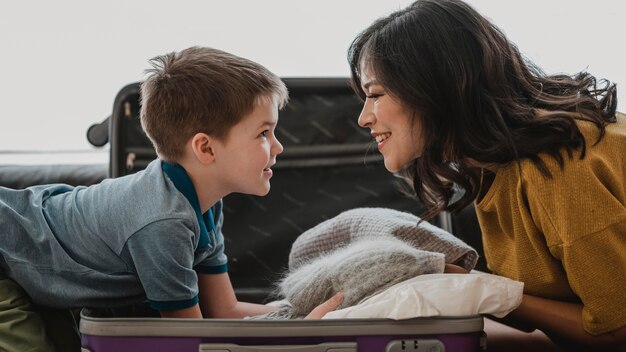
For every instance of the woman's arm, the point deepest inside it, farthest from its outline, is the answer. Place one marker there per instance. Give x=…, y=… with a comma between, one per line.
x=454, y=269
x=562, y=322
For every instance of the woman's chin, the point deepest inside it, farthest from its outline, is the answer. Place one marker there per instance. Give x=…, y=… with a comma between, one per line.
x=393, y=168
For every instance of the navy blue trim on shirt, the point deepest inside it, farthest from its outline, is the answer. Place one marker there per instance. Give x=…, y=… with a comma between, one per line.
x=183, y=183
x=211, y=269
x=173, y=305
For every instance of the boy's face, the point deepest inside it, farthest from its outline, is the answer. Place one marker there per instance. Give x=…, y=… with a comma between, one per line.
x=246, y=158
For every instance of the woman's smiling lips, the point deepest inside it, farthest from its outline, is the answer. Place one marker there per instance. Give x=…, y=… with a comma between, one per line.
x=380, y=138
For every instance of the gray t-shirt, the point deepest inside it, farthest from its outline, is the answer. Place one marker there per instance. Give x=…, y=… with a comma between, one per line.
x=111, y=244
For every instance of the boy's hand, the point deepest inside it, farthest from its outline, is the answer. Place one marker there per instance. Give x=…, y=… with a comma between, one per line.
x=328, y=306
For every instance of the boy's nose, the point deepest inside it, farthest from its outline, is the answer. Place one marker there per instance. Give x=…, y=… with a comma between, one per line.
x=278, y=147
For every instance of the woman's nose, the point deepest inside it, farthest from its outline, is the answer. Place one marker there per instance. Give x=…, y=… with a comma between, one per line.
x=366, y=118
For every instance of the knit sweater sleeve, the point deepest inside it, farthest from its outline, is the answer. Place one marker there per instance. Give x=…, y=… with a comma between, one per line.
x=595, y=265
x=581, y=212
x=565, y=243
x=564, y=236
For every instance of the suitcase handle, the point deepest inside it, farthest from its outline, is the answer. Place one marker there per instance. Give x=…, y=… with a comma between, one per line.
x=98, y=133
x=322, y=347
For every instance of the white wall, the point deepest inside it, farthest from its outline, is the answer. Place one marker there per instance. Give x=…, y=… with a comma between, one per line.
x=64, y=61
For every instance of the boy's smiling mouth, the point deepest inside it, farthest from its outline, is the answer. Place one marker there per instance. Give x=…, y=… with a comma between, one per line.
x=268, y=170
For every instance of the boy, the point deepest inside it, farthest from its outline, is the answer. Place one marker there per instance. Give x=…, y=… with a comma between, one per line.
x=155, y=234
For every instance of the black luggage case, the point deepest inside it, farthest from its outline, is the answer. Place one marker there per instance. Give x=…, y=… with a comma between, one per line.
x=329, y=164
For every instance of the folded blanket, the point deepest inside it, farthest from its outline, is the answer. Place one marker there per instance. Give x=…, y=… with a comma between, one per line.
x=359, y=270
x=361, y=252
x=357, y=223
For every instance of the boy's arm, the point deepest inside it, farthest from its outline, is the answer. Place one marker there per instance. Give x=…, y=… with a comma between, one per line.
x=218, y=300
x=191, y=312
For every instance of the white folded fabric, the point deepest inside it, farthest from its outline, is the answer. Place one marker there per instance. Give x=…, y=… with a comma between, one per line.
x=439, y=295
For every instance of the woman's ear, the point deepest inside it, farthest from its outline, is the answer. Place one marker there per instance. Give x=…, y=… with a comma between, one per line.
x=202, y=147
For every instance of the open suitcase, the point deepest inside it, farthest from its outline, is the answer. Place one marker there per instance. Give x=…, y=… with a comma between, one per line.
x=462, y=334
x=329, y=165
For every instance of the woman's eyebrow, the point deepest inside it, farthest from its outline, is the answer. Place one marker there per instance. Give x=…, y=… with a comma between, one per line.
x=368, y=84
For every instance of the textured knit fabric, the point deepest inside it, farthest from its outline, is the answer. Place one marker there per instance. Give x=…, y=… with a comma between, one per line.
x=111, y=244
x=565, y=236
x=359, y=270
x=361, y=252
x=354, y=224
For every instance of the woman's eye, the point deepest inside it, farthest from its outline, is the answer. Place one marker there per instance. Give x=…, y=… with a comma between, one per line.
x=264, y=133
x=374, y=97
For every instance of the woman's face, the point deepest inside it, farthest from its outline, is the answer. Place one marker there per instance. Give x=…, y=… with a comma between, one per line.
x=397, y=134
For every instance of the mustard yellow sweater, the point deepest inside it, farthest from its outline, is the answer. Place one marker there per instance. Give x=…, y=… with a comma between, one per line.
x=565, y=236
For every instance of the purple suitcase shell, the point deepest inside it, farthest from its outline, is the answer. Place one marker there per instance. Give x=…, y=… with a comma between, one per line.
x=438, y=334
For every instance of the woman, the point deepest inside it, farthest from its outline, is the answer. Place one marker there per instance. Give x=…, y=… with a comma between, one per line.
x=455, y=108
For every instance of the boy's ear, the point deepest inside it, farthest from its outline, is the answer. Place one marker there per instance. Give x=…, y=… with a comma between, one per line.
x=202, y=147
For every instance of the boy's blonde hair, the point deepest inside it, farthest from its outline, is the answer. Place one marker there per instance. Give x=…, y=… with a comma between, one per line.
x=201, y=89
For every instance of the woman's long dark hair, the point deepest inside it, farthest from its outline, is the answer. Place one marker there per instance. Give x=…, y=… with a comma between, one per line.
x=475, y=96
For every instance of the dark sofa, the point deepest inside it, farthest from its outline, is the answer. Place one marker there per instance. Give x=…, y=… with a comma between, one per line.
x=22, y=176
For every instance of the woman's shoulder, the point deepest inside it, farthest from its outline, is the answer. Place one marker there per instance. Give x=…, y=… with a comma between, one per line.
x=599, y=155
x=611, y=141
x=603, y=161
